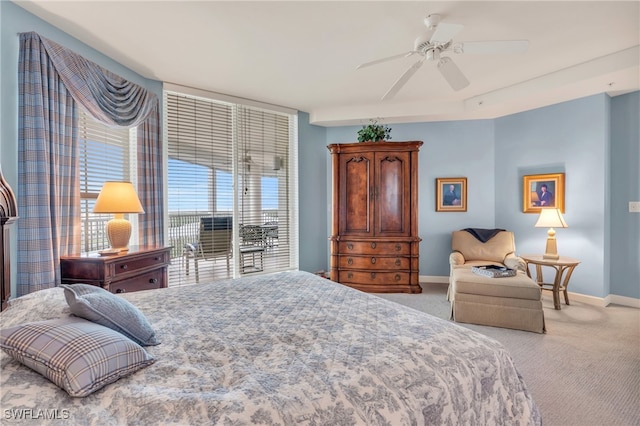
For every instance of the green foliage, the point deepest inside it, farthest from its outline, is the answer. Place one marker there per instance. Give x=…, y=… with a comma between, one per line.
x=374, y=132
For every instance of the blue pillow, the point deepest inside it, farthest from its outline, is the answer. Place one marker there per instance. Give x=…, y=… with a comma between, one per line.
x=77, y=355
x=102, y=307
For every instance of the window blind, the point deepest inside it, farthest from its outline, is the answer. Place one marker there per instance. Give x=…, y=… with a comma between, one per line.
x=105, y=154
x=230, y=160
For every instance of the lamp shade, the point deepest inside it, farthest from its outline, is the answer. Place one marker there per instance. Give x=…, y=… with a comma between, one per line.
x=118, y=197
x=551, y=218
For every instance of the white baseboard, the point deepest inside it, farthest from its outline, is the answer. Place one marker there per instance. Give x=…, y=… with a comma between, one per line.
x=433, y=279
x=582, y=298
x=622, y=300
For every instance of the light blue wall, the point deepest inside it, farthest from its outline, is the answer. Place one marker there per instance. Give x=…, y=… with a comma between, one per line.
x=625, y=187
x=572, y=138
x=451, y=149
x=312, y=190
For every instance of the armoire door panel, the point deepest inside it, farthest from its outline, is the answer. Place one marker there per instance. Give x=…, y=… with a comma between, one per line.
x=355, y=214
x=393, y=193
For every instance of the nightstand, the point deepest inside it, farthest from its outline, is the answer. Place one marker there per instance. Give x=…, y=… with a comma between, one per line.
x=141, y=268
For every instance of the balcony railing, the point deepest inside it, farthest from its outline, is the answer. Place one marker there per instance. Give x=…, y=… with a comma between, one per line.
x=183, y=229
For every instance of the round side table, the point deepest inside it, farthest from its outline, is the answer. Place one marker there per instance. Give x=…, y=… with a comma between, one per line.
x=564, y=266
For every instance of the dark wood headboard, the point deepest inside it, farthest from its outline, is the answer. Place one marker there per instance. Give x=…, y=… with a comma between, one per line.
x=8, y=215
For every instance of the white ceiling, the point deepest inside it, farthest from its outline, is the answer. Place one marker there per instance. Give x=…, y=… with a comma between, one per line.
x=303, y=54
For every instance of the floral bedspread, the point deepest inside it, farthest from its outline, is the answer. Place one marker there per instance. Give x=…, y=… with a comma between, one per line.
x=282, y=349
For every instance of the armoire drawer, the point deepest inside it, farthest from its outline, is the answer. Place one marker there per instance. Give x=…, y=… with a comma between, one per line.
x=374, y=247
x=374, y=262
x=373, y=277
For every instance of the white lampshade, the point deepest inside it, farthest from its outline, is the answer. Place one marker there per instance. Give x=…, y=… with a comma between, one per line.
x=118, y=198
x=551, y=218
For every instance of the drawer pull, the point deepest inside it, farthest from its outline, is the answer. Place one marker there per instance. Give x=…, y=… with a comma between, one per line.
x=153, y=281
x=373, y=245
x=398, y=277
x=373, y=260
x=350, y=261
x=350, y=246
x=398, y=262
x=398, y=247
x=156, y=258
x=121, y=290
x=349, y=275
x=124, y=267
x=373, y=275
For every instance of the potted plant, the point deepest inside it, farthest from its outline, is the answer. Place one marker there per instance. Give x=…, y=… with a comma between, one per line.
x=374, y=132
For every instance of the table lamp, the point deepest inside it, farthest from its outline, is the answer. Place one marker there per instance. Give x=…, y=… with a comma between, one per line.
x=551, y=218
x=118, y=198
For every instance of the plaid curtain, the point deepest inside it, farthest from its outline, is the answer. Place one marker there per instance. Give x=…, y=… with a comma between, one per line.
x=52, y=79
x=48, y=189
x=151, y=223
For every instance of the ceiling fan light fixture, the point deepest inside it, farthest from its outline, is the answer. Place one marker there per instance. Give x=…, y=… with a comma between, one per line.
x=432, y=21
x=433, y=54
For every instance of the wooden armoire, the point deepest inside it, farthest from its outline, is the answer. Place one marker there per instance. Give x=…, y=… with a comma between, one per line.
x=374, y=229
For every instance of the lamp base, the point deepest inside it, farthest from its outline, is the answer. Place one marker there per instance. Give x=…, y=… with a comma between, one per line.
x=119, y=232
x=551, y=251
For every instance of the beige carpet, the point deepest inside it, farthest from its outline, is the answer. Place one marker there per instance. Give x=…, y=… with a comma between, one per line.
x=584, y=371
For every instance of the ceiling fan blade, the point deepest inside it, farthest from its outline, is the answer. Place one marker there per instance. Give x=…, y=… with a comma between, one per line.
x=390, y=58
x=452, y=74
x=402, y=80
x=445, y=32
x=482, y=47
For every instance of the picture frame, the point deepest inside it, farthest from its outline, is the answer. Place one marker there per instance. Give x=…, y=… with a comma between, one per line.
x=451, y=194
x=541, y=191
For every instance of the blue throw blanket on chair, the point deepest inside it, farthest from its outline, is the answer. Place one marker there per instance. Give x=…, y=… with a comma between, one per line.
x=481, y=234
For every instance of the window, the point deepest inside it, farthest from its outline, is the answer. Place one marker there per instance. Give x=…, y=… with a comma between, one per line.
x=233, y=161
x=105, y=154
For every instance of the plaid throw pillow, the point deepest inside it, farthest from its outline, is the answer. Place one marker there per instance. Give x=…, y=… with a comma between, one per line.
x=77, y=355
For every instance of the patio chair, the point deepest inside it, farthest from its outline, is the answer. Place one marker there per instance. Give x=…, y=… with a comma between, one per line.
x=214, y=240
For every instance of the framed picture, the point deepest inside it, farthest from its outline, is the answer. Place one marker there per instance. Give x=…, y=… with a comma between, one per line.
x=540, y=191
x=451, y=194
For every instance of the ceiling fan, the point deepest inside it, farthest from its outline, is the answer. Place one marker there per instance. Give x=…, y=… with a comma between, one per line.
x=441, y=41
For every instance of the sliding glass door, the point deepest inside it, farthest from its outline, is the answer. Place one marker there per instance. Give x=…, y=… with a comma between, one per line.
x=232, y=198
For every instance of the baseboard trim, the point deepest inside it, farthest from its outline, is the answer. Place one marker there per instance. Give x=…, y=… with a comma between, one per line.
x=433, y=279
x=578, y=297
x=622, y=300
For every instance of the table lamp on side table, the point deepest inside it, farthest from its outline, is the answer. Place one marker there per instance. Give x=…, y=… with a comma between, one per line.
x=118, y=198
x=551, y=218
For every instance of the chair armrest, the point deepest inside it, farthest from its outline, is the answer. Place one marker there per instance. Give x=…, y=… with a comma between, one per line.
x=456, y=259
x=515, y=262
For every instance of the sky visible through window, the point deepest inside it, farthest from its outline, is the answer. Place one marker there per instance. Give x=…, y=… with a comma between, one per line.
x=188, y=188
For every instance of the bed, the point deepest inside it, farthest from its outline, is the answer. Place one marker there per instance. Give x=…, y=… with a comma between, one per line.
x=283, y=348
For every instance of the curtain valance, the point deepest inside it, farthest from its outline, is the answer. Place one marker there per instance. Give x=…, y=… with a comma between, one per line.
x=108, y=97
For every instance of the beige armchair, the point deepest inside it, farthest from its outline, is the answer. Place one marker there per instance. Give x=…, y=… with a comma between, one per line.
x=510, y=302
x=468, y=251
